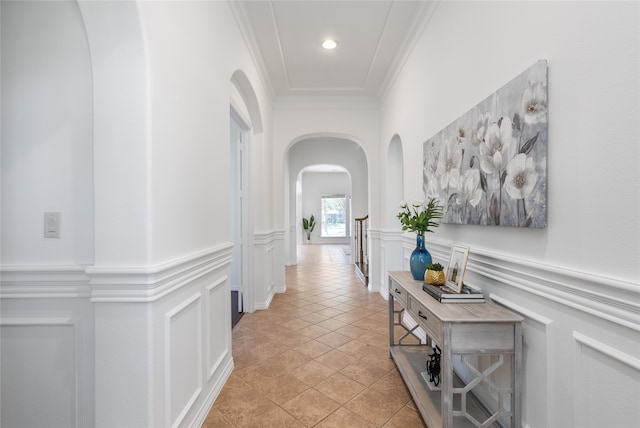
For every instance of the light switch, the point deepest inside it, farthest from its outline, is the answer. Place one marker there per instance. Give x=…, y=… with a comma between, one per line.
x=51, y=225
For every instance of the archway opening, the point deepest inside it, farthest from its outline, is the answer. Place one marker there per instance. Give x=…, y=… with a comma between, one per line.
x=323, y=152
x=245, y=137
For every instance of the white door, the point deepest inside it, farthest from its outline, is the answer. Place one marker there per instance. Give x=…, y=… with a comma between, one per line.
x=239, y=214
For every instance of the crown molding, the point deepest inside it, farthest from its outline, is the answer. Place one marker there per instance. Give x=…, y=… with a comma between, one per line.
x=239, y=12
x=415, y=31
x=324, y=102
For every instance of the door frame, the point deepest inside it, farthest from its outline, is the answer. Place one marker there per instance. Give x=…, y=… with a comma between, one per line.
x=241, y=197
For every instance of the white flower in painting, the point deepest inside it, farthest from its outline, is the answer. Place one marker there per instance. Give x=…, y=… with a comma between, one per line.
x=469, y=188
x=534, y=103
x=449, y=161
x=431, y=159
x=417, y=203
x=521, y=177
x=433, y=192
x=480, y=129
x=498, y=147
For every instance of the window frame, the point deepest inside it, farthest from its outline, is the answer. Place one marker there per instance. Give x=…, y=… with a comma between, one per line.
x=345, y=198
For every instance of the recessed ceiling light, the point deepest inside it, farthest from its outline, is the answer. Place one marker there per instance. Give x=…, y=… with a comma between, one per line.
x=329, y=44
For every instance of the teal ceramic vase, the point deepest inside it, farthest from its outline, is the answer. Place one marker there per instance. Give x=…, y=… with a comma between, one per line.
x=419, y=259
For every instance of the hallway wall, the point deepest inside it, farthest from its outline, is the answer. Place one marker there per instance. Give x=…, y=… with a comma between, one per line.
x=46, y=319
x=116, y=114
x=593, y=87
x=46, y=116
x=576, y=282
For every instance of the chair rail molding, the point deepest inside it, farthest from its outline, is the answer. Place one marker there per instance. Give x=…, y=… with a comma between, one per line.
x=43, y=282
x=148, y=284
x=388, y=234
x=611, y=299
x=266, y=237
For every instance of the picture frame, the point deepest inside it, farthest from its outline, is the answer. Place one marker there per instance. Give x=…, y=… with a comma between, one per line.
x=456, y=267
x=493, y=176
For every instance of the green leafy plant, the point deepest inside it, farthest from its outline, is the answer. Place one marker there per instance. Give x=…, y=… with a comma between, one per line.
x=420, y=216
x=435, y=266
x=308, y=225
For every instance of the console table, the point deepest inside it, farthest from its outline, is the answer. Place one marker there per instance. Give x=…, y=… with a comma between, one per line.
x=483, y=340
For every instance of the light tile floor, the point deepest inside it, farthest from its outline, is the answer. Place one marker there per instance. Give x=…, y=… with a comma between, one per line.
x=318, y=357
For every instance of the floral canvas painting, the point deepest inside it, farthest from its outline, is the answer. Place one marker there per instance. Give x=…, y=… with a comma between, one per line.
x=489, y=167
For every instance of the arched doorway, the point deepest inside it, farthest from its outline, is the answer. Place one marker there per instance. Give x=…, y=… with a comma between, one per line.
x=323, y=149
x=245, y=132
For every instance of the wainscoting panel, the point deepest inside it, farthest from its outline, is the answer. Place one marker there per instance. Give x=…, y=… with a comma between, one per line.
x=217, y=338
x=392, y=257
x=268, y=273
x=183, y=358
x=535, y=362
x=600, y=367
x=113, y=346
x=47, y=348
x=177, y=347
x=40, y=376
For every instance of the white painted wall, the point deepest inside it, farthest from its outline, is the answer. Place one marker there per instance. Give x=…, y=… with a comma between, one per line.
x=314, y=186
x=576, y=282
x=116, y=114
x=47, y=145
x=191, y=93
x=592, y=205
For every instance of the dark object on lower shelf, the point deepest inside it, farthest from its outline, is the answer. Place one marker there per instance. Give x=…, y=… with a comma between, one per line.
x=433, y=366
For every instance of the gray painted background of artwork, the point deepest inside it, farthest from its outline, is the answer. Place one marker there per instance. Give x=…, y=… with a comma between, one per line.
x=489, y=167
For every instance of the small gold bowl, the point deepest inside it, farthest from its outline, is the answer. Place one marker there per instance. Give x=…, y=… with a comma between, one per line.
x=435, y=277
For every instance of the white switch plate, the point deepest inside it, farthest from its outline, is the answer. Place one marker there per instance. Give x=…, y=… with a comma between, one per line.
x=51, y=225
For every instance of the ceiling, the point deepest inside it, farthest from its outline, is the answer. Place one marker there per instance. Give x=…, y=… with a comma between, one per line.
x=373, y=38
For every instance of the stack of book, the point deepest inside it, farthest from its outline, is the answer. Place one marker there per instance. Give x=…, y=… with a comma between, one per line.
x=443, y=294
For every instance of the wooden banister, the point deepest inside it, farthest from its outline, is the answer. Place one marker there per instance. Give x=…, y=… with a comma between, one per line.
x=362, y=259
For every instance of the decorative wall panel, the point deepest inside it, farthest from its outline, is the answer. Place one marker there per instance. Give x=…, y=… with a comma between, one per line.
x=40, y=373
x=217, y=335
x=600, y=367
x=536, y=342
x=183, y=349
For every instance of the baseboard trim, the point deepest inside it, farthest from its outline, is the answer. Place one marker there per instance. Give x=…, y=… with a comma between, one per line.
x=204, y=410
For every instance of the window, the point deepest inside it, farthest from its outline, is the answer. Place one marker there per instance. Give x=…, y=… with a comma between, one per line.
x=333, y=216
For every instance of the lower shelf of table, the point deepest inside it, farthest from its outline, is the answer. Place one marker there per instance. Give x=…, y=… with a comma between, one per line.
x=411, y=362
